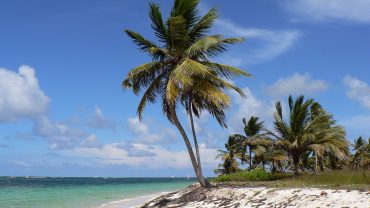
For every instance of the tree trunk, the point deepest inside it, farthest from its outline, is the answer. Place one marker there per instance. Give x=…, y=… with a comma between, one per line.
x=315, y=170
x=321, y=162
x=250, y=158
x=196, y=144
x=176, y=122
x=274, y=169
x=296, y=165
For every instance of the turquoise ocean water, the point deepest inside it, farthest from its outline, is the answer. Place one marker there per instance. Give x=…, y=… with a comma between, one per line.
x=21, y=192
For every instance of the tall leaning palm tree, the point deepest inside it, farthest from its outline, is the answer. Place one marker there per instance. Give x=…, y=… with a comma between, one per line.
x=302, y=133
x=181, y=72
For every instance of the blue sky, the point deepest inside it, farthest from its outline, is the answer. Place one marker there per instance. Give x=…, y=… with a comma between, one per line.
x=64, y=113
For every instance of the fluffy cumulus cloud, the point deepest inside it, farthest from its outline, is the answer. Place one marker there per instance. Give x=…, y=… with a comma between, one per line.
x=269, y=43
x=137, y=126
x=247, y=107
x=99, y=121
x=328, y=10
x=144, y=135
x=61, y=136
x=90, y=142
x=136, y=149
x=296, y=84
x=358, y=90
x=20, y=95
x=142, y=156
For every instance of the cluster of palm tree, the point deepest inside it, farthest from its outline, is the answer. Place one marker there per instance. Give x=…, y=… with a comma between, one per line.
x=307, y=140
x=361, y=156
x=181, y=73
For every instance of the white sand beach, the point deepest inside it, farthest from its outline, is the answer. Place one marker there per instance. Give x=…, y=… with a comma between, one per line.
x=132, y=202
x=262, y=197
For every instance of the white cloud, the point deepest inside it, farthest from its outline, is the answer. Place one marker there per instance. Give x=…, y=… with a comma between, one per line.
x=137, y=126
x=136, y=149
x=269, y=43
x=20, y=95
x=156, y=158
x=144, y=135
x=91, y=141
x=99, y=121
x=297, y=84
x=61, y=136
x=358, y=90
x=324, y=10
x=207, y=133
x=247, y=107
x=199, y=123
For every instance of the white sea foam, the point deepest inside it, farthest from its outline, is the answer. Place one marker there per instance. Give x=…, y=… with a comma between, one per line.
x=131, y=202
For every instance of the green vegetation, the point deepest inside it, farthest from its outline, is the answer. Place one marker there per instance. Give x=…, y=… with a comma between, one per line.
x=305, y=139
x=229, y=165
x=361, y=158
x=254, y=175
x=335, y=179
x=308, y=148
x=181, y=72
x=309, y=129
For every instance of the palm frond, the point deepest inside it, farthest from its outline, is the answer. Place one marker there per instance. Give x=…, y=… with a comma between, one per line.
x=204, y=24
x=157, y=22
x=229, y=72
x=177, y=32
x=211, y=45
x=143, y=44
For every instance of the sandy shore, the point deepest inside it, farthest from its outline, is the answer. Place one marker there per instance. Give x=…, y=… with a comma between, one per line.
x=132, y=202
x=261, y=197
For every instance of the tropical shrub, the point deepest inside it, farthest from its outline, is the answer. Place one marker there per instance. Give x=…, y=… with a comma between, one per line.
x=257, y=174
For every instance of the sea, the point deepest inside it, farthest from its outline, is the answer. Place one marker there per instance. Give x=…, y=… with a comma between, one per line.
x=68, y=192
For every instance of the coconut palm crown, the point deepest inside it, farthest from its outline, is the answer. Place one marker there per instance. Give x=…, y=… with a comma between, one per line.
x=303, y=132
x=254, y=140
x=229, y=165
x=181, y=71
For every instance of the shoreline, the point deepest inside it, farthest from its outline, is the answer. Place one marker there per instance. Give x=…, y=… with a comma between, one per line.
x=236, y=196
x=132, y=202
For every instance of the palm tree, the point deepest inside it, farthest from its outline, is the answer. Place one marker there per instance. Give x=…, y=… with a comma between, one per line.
x=267, y=154
x=254, y=140
x=229, y=165
x=361, y=158
x=180, y=71
x=275, y=157
x=332, y=152
x=301, y=133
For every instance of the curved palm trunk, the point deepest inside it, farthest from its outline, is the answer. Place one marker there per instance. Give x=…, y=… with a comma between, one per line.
x=176, y=122
x=196, y=144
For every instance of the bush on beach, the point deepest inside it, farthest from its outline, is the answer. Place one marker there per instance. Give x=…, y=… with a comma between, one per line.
x=254, y=175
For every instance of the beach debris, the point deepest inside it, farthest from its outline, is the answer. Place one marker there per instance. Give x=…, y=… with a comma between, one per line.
x=247, y=197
